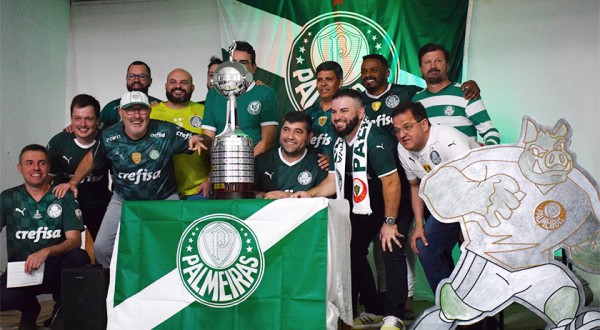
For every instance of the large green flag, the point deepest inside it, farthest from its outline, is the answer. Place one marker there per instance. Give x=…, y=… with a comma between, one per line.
x=237, y=264
x=292, y=37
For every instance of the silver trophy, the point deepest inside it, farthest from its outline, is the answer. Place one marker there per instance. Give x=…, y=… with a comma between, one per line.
x=232, y=153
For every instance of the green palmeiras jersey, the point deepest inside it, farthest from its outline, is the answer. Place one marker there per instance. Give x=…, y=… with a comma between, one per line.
x=272, y=172
x=64, y=154
x=323, y=134
x=32, y=226
x=379, y=108
x=110, y=113
x=142, y=169
x=449, y=107
x=255, y=108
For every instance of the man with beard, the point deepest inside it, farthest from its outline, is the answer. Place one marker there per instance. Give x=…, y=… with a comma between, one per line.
x=140, y=152
x=138, y=78
x=329, y=80
x=291, y=167
x=257, y=111
x=65, y=151
x=191, y=171
x=366, y=175
x=444, y=100
x=380, y=98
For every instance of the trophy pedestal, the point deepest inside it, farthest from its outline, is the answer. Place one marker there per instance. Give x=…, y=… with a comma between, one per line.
x=232, y=191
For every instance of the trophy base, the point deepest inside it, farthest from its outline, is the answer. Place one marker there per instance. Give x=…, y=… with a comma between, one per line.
x=232, y=191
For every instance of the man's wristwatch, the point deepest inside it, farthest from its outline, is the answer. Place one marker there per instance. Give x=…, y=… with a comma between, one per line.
x=390, y=221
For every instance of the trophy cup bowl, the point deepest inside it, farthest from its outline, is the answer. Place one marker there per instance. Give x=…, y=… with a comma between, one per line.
x=232, y=154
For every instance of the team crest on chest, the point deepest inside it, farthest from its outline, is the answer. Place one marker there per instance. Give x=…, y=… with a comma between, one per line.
x=136, y=157
x=449, y=110
x=322, y=120
x=376, y=105
x=550, y=215
x=254, y=107
x=392, y=101
x=304, y=178
x=54, y=211
x=154, y=154
x=435, y=158
x=196, y=121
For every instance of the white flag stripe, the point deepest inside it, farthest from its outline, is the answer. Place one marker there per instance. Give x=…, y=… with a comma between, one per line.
x=236, y=19
x=167, y=296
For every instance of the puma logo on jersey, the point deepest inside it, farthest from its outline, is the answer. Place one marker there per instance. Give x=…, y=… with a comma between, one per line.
x=452, y=144
x=270, y=174
x=67, y=159
x=20, y=211
x=120, y=154
x=380, y=146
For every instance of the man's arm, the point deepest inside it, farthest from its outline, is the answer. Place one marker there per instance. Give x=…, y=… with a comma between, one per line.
x=418, y=208
x=470, y=90
x=267, y=139
x=36, y=259
x=85, y=167
x=325, y=189
x=390, y=184
x=277, y=194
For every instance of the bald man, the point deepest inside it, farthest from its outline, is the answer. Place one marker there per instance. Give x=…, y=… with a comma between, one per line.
x=191, y=171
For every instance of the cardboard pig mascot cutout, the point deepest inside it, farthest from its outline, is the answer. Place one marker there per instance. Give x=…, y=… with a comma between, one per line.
x=517, y=204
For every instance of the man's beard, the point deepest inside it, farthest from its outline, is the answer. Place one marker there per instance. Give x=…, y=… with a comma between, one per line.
x=143, y=90
x=349, y=127
x=436, y=79
x=178, y=100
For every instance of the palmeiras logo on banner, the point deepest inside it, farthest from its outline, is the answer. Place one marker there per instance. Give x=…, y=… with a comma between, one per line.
x=343, y=37
x=219, y=260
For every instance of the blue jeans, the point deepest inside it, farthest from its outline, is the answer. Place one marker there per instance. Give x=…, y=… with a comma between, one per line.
x=436, y=258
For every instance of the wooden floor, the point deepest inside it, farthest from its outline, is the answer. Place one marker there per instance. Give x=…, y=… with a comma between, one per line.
x=516, y=317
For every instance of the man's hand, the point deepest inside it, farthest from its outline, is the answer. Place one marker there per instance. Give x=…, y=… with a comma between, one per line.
x=204, y=188
x=300, y=194
x=323, y=161
x=69, y=129
x=197, y=143
x=277, y=194
x=387, y=234
x=61, y=190
x=35, y=260
x=418, y=233
x=470, y=90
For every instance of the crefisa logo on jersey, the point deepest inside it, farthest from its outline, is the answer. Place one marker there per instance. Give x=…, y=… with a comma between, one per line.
x=219, y=260
x=340, y=36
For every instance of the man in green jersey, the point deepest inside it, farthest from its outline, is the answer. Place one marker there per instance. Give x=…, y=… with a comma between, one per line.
x=366, y=175
x=138, y=78
x=257, y=111
x=140, y=151
x=380, y=98
x=329, y=80
x=291, y=167
x=65, y=151
x=42, y=231
x=444, y=99
x=191, y=171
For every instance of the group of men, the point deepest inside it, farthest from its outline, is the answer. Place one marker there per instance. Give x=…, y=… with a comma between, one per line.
x=376, y=146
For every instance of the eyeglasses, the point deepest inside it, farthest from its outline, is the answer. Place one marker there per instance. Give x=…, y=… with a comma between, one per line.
x=141, y=111
x=142, y=76
x=406, y=128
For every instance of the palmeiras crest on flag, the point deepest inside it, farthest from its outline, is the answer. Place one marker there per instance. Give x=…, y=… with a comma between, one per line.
x=219, y=260
x=343, y=37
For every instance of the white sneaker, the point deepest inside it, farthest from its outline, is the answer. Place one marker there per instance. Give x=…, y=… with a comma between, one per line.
x=367, y=320
x=392, y=323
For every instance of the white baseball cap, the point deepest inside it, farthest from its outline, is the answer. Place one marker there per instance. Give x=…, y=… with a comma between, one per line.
x=135, y=97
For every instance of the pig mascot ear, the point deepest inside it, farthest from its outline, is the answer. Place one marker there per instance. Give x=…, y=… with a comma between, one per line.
x=531, y=131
